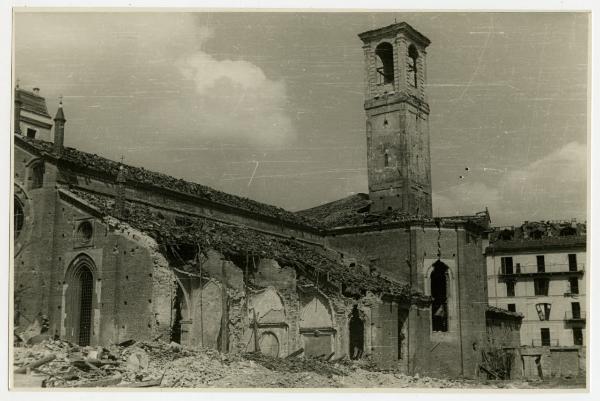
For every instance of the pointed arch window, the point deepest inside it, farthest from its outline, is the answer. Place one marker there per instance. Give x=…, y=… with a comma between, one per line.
x=439, y=293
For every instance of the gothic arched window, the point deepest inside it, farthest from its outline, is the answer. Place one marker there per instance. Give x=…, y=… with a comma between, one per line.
x=439, y=293
x=385, y=63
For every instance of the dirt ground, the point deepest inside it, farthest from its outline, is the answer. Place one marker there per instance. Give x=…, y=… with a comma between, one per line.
x=159, y=364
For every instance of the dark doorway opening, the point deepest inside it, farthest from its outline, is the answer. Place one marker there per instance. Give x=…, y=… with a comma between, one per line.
x=439, y=293
x=357, y=334
x=177, y=316
x=402, y=317
x=86, y=281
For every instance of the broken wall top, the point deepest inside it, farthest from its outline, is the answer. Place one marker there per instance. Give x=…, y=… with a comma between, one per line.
x=503, y=313
x=354, y=212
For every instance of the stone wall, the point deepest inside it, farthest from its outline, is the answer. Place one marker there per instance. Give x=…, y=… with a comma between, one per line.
x=407, y=255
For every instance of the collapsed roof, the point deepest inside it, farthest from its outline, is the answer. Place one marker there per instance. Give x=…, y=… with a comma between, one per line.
x=531, y=230
x=355, y=210
x=552, y=243
x=538, y=235
x=240, y=241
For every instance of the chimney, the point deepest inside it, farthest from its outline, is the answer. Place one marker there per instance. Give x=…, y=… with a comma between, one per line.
x=59, y=129
x=36, y=91
x=18, y=103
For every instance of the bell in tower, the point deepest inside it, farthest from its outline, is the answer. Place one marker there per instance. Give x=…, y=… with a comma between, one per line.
x=398, y=161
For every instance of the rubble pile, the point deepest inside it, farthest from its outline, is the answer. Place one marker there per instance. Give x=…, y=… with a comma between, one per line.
x=73, y=366
x=294, y=365
x=159, y=364
x=234, y=240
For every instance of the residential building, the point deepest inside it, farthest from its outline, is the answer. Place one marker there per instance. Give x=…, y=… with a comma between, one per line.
x=538, y=269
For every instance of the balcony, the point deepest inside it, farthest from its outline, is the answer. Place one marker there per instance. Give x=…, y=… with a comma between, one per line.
x=547, y=271
x=577, y=317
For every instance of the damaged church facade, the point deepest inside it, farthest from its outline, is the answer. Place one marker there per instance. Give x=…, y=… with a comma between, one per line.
x=107, y=252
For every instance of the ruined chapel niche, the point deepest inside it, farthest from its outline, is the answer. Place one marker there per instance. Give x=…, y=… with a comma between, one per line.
x=316, y=326
x=356, y=330
x=439, y=293
x=385, y=63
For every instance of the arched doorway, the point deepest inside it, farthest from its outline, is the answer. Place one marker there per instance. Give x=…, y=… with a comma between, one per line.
x=356, y=330
x=79, y=297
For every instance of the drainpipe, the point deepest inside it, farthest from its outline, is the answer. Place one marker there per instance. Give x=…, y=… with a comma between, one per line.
x=462, y=362
x=410, y=282
x=116, y=306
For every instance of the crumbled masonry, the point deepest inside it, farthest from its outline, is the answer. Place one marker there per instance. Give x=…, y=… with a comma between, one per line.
x=242, y=241
x=174, y=366
x=500, y=311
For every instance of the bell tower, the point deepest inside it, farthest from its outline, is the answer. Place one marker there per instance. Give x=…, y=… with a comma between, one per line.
x=398, y=160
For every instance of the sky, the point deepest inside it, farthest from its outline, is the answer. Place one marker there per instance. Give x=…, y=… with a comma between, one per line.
x=270, y=105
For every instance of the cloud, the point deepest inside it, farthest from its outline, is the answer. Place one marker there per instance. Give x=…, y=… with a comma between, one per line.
x=553, y=187
x=152, y=75
x=236, y=99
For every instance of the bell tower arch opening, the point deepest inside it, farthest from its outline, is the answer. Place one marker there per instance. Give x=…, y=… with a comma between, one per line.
x=385, y=63
x=398, y=155
x=413, y=55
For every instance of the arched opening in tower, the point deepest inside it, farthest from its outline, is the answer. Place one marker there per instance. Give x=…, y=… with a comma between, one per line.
x=439, y=293
x=413, y=54
x=357, y=334
x=385, y=63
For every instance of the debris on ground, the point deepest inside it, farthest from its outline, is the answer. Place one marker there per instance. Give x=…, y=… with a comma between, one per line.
x=142, y=364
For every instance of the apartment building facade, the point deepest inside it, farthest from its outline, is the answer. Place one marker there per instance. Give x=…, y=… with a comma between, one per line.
x=538, y=269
